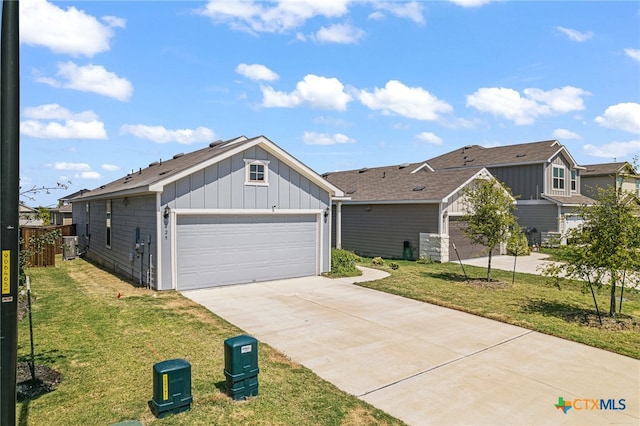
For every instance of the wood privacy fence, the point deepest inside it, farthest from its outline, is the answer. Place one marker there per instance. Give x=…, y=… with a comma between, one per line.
x=46, y=256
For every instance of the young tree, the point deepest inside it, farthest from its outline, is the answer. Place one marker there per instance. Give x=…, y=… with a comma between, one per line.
x=607, y=246
x=489, y=218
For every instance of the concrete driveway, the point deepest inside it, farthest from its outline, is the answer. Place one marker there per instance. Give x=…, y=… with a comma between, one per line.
x=426, y=364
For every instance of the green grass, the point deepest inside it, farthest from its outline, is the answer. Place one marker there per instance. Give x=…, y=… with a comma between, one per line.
x=533, y=302
x=105, y=348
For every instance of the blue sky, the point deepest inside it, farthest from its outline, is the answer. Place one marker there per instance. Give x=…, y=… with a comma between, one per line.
x=108, y=87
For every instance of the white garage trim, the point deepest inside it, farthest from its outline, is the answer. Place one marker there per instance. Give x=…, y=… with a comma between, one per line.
x=175, y=213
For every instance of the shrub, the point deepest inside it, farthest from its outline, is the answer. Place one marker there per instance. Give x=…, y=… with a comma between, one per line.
x=518, y=242
x=377, y=261
x=394, y=265
x=343, y=263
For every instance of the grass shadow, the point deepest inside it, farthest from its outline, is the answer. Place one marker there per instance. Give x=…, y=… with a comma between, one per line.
x=564, y=311
x=446, y=276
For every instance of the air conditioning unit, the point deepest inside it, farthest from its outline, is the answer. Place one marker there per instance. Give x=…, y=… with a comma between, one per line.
x=70, y=247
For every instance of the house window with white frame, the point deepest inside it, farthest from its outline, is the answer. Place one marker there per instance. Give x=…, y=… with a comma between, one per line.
x=256, y=172
x=558, y=177
x=108, y=222
x=574, y=181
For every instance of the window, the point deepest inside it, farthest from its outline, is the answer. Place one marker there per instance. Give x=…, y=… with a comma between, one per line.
x=558, y=177
x=108, y=222
x=574, y=181
x=256, y=172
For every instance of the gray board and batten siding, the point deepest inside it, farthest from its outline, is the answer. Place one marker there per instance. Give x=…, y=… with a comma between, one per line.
x=382, y=229
x=132, y=218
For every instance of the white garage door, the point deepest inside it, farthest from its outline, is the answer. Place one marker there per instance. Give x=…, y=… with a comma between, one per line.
x=215, y=250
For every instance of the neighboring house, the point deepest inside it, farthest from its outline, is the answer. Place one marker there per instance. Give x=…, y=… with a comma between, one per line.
x=543, y=176
x=234, y=212
x=63, y=215
x=28, y=216
x=621, y=176
x=407, y=211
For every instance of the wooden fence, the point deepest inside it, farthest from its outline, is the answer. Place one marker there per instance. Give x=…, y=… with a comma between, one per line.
x=46, y=256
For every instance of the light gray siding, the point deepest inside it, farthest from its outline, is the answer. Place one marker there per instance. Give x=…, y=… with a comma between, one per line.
x=541, y=217
x=222, y=186
x=589, y=185
x=133, y=220
x=381, y=229
x=525, y=181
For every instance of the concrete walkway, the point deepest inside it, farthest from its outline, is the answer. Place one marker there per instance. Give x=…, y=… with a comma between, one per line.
x=429, y=365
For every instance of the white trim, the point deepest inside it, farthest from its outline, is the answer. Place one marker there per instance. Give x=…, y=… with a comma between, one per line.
x=194, y=212
x=159, y=239
x=553, y=178
x=534, y=202
x=247, y=172
x=423, y=166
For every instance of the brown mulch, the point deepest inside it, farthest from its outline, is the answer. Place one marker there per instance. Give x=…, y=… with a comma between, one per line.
x=483, y=283
x=46, y=380
x=618, y=323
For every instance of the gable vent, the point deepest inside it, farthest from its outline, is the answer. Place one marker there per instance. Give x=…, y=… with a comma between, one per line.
x=418, y=188
x=178, y=155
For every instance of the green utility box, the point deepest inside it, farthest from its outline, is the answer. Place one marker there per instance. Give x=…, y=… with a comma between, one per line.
x=241, y=366
x=171, y=387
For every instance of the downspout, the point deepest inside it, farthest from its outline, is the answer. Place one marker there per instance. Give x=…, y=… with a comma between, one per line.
x=339, y=224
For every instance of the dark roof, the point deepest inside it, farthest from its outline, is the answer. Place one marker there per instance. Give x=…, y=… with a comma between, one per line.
x=573, y=200
x=606, y=169
x=161, y=170
x=398, y=183
x=75, y=194
x=478, y=156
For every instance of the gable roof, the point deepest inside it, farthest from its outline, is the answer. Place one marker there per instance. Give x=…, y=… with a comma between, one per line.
x=606, y=169
x=574, y=200
x=402, y=183
x=160, y=173
x=519, y=154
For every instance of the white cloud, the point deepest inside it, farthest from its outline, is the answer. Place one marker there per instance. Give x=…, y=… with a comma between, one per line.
x=633, y=53
x=90, y=78
x=257, y=17
x=565, y=134
x=313, y=91
x=411, y=10
x=160, y=134
x=508, y=103
x=623, y=116
x=69, y=31
x=63, y=165
x=88, y=175
x=257, y=72
x=471, y=3
x=339, y=33
x=615, y=150
x=57, y=112
x=110, y=167
x=410, y=102
x=312, y=138
x=575, y=35
x=429, y=137
x=69, y=130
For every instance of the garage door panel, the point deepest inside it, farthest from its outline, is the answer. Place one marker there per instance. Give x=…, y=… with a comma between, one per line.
x=218, y=250
x=465, y=247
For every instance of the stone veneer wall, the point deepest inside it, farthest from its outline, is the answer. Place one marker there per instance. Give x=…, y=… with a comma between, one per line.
x=434, y=247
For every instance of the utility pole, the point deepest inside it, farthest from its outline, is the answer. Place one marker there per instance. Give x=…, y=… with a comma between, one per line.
x=9, y=205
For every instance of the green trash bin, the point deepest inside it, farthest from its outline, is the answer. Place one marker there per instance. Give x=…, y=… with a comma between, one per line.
x=171, y=387
x=241, y=366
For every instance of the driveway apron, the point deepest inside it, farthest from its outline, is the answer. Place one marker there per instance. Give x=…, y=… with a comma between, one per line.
x=425, y=364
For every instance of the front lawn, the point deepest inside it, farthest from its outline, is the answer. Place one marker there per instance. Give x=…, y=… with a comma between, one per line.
x=105, y=347
x=533, y=302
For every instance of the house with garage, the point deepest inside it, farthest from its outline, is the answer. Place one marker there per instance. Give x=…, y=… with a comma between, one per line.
x=236, y=211
x=405, y=211
x=543, y=176
x=621, y=176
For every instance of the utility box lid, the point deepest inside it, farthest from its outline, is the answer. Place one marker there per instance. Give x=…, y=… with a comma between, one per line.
x=241, y=356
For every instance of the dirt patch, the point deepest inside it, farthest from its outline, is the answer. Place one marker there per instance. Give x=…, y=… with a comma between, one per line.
x=483, y=283
x=619, y=323
x=46, y=380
